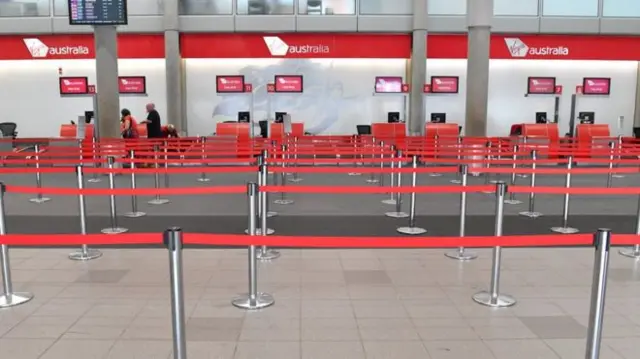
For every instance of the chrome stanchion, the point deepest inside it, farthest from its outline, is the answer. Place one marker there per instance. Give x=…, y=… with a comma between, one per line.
x=524, y=146
x=263, y=160
x=392, y=178
x=203, y=175
x=372, y=176
x=381, y=175
x=94, y=178
x=8, y=298
x=156, y=178
x=462, y=254
x=531, y=213
x=436, y=144
x=114, y=229
x=134, y=199
x=173, y=241
x=263, y=202
x=84, y=254
x=166, y=165
x=398, y=212
x=296, y=176
x=512, y=196
x=493, y=298
x=602, y=243
x=254, y=299
x=612, y=146
x=39, y=198
x=355, y=150
x=565, y=229
x=634, y=252
x=412, y=229
x=619, y=148
x=283, y=200
x=457, y=180
x=487, y=175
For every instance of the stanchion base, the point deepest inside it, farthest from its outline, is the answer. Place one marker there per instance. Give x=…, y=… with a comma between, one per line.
x=94, y=180
x=116, y=230
x=159, y=201
x=85, y=256
x=261, y=301
x=455, y=181
x=268, y=255
x=389, y=201
x=203, y=179
x=396, y=214
x=564, y=230
x=270, y=231
x=512, y=201
x=13, y=299
x=531, y=214
x=283, y=201
x=412, y=231
x=134, y=214
x=435, y=174
x=461, y=256
x=295, y=180
x=617, y=176
x=354, y=174
x=630, y=253
x=40, y=200
x=489, y=192
x=271, y=214
x=502, y=301
x=372, y=180
x=522, y=175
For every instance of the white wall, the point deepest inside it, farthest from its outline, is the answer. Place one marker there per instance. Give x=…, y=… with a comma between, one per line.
x=31, y=96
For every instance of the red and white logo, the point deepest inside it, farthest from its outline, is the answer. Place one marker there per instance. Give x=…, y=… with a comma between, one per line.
x=40, y=50
x=518, y=49
x=277, y=47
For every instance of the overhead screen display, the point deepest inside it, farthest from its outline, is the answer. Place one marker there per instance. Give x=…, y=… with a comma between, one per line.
x=596, y=86
x=288, y=83
x=230, y=84
x=74, y=86
x=388, y=84
x=132, y=84
x=444, y=84
x=97, y=12
x=541, y=86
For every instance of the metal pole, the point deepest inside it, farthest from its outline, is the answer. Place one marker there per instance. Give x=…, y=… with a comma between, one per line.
x=619, y=157
x=461, y=254
x=412, y=229
x=254, y=299
x=398, y=212
x=531, y=213
x=94, y=178
x=612, y=146
x=512, y=196
x=84, y=254
x=156, y=178
x=265, y=182
x=134, y=199
x=487, y=175
x=565, y=229
x=203, y=175
x=39, y=199
x=392, y=178
x=114, y=229
x=436, y=144
x=296, y=178
x=381, y=175
x=8, y=298
x=634, y=252
x=372, y=177
x=173, y=242
x=602, y=243
x=166, y=165
x=493, y=298
x=355, y=155
x=524, y=146
x=457, y=180
x=283, y=195
x=264, y=253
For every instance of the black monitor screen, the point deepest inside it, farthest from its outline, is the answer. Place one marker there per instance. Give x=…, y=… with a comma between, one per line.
x=88, y=116
x=439, y=117
x=393, y=117
x=280, y=117
x=97, y=12
x=244, y=117
x=587, y=117
x=541, y=117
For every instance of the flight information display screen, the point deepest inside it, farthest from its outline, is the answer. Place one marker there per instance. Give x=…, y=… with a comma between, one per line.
x=98, y=12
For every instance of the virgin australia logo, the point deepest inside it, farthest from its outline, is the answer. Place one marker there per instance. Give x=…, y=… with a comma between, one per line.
x=517, y=48
x=277, y=47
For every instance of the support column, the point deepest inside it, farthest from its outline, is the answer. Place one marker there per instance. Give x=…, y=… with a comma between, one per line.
x=108, y=97
x=173, y=67
x=636, y=113
x=479, y=16
x=418, y=68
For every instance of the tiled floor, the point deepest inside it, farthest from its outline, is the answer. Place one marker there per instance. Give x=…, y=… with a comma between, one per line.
x=333, y=304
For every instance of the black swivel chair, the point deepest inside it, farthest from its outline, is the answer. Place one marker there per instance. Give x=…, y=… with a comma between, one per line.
x=264, y=128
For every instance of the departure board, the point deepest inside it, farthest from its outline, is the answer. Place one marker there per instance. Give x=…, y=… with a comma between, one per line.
x=97, y=12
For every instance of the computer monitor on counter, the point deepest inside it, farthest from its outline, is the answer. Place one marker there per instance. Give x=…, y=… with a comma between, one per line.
x=587, y=118
x=438, y=117
x=393, y=117
x=541, y=117
x=244, y=117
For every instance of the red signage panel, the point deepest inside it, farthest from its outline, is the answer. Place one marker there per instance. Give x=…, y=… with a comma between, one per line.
x=426, y=88
x=541, y=86
x=74, y=86
x=559, y=89
x=596, y=86
x=444, y=84
x=230, y=84
x=132, y=84
x=288, y=83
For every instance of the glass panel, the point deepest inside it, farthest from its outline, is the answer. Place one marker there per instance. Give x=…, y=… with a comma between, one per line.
x=515, y=7
x=386, y=7
x=570, y=7
x=206, y=7
x=447, y=7
x=621, y=8
x=265, y=7
x=135, y=7
x=327, y=7
x=24, y=8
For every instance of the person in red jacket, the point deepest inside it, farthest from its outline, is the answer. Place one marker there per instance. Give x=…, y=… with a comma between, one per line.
x=169, y=131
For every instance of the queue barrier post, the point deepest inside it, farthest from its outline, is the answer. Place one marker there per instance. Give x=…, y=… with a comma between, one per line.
x=412, y=229
x=531, y=213
x=462, y=254
x=398, y=212
x=156, y=179
x=355, y=155
x=634, y=252
x=487, y=175
x=493, y=297
x=436, y=144
x=512, y=196
x=264, y=159
x=254, y=299
x=525, y=147
x=94, y=177
x=135, y=213
x=114, y=229
x=372, y=176
x=381, y=175
x=39, y=199
x=602, y=243
x=392, y=178
x=458, y=180
x=265, y=253
x=612, y=147
x=173, y=241
x=203, y=144
x=296, y=176
x=283, y=200
x=84, y=254
x=167, y=181
x=8, y=298
x=565, y=229
x=619, y=156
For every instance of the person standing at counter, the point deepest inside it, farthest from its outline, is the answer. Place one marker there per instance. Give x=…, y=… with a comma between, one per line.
x=154, y=128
